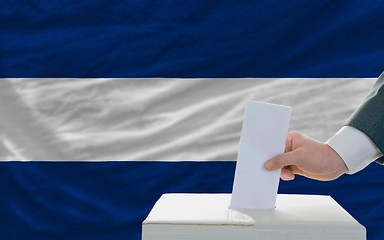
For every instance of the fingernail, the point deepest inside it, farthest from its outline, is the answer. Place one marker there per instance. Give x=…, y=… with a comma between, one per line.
x=268, y=165
x=285, y=176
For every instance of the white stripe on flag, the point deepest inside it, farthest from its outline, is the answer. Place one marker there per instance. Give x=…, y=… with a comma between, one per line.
x=158, y=118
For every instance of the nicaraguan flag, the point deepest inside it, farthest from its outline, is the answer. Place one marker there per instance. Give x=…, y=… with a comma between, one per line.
x=106, y=105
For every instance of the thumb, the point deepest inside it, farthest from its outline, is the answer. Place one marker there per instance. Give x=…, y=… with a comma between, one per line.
x=282, y=160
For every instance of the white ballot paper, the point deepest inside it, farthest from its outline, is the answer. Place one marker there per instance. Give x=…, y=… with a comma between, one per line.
x=263, y=136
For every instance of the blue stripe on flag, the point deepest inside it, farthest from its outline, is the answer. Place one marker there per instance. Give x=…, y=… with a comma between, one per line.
x=88, y=200
x=109, y=200
x=192, y=39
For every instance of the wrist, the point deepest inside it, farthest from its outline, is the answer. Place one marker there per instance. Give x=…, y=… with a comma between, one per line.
x=339, y=164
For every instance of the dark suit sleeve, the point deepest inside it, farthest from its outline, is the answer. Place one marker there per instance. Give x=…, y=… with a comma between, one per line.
x=369, y=116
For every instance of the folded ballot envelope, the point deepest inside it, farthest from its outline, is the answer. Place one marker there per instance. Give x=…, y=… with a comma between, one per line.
x=208, y=217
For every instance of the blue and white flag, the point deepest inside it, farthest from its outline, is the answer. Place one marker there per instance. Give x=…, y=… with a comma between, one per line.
x=106, y=105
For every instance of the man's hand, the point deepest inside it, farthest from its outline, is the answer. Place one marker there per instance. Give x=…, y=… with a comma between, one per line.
x=307, y=157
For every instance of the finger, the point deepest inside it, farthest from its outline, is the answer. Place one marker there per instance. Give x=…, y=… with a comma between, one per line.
x=282, y=160
x=296, y=170
x=288, y=144
x=289, y=141
x=286, y=174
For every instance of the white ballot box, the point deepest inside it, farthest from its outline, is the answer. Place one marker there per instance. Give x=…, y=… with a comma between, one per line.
x=208, y=217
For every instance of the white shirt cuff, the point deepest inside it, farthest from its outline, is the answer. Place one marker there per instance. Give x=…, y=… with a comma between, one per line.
x=354, y=147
